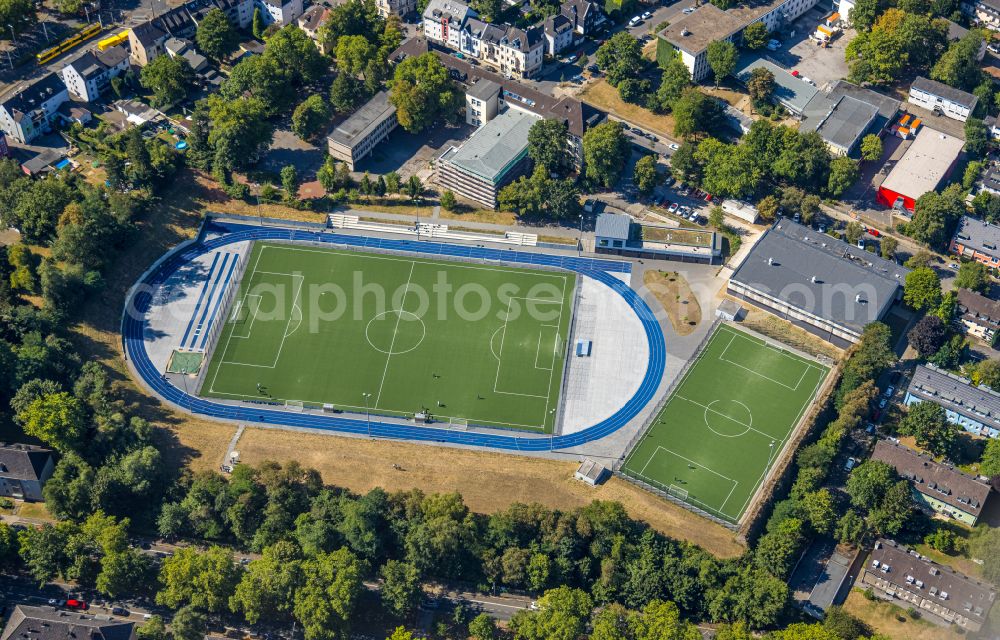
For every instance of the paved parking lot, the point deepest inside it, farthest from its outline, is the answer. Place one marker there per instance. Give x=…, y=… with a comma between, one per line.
x=824, y=66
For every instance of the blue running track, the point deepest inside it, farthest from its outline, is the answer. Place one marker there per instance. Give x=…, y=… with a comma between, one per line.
x=134, y=325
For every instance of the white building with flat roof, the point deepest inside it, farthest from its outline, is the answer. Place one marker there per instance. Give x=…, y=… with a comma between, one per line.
x=923, y=168
x=356, y=137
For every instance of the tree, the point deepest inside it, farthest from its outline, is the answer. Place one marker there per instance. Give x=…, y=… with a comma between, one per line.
x=922, y=289
x=661, y=620
x=353, y=54
x=695, y=112
x=850, y=528
x=215, y=36
x=985, y=545
x=974, y=276
x=843, y=173
x=620, y=57
x=605, y=151
x=153, y=629
x=169, y=79
x=927, y=335
x=141, y=169
x=310, y=116
x=400, y=633
x=645, y=176
x=989, y=463
x=205, y=580
x=483, y=627
x=547, y=145
x=756, y=36
x=414, y=187
x=768, y=208
x=422, y=92
x=58, y=419
x=258, y=24
x=346, y=93
x=869, y=482
x=674, y=79
x=959, y=66
x=189, y=624
x=266, y=590
x=888, y=246
x=400, y=591
x=751, y=596
x=448, y=200
x=871, y=147
x=240, y=131
x=821, y=510
x=290, y=181
x=926, y=421
x=717, y=218
x=722, y=57
x=562, y=615
x=977, y=138
x=291, y=49
x=935, y=213
x=864, y=13
x=760, y=85
x=325, y=601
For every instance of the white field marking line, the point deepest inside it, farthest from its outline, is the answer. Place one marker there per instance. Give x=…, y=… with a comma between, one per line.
x=693, y=501
x=361, y=254
x=555, y=346
x=229, y=338
x=395, y=332
x=742, y=424
x=285, y=334
x=781, y=445
x=690, y=461
x=548, y=392
x=477, y=421
x=499, y=356
x=253, y=317
x=503, y=338
x=807, y=365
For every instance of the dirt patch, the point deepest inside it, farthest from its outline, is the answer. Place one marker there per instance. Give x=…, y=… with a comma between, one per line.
x=480, y=215
x=33, y=511
x=603, y=96
x=487, y=481
x=9, y=237
x=784, y=331
x=733, y=98
x=892, y=621
x=675, y=296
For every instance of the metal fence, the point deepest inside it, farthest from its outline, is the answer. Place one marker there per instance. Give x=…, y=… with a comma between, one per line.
x=570, y=339
x=643, y=484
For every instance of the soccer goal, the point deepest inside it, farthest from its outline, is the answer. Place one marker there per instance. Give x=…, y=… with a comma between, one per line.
x=459, y=424
x=239, y=314
x=294, y=405
x=677, y=492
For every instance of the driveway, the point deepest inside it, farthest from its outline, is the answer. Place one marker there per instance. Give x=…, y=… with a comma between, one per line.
x=824, y=66
x=413, y=153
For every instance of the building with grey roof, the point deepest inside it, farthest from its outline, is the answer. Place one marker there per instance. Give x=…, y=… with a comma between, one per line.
x=791, y=92
x=24, y=468
x=355, y=138
x=977, y=240
x=31, y=111
x=575, y=114
x=941, y=594
x=617, y=234
x=941, y=98
x=824, y=285
x=842, y=123
x=937, y=488
x=979, y=315
x=975, y=409
x=48, y=623
x=90, y=75
x=493, y=157
x=558, y=31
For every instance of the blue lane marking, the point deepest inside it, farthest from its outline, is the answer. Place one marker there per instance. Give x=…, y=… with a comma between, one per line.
x=218, y=302
x=134, y=324
x=208, y=303
x=204, y=288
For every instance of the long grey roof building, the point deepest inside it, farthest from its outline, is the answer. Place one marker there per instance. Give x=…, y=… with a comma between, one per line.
x=822, y=284
x=48, y=623
x=976, y=409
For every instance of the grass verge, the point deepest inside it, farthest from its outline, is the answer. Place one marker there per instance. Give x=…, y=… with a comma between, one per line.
x=892, y=621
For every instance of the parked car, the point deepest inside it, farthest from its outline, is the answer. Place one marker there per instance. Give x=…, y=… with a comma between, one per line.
x=689, y=10
x=673, y=207
x=874, y=232
x=79, y=605
x=570, y=59
x=861, y=243
x=636, y=21
x=888, y=392
x=773, y=45
x=882, y=403
x=646, y=15
x=120, y=611
x=57, y=602
x=850, y=464
x=593, y=68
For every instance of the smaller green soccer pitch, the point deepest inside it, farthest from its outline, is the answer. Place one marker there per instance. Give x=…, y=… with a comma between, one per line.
x=725, y=423
x=465, y=342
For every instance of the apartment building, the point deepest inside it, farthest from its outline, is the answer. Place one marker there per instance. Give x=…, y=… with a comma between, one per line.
x=444, y=20
x=558, y=31
x=977, y=240
x=979, y=315
x=975, y=409
x=30, y=112
x=943, y=99
x=90, y=75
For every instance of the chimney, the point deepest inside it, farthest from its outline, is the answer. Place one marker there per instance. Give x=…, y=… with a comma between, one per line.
x=770, y=260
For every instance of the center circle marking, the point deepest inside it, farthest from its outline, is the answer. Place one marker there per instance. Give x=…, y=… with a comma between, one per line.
x=400, y=342
x=727, y=427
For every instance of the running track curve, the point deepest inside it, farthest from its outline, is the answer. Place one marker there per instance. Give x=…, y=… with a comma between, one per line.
x=134, y=325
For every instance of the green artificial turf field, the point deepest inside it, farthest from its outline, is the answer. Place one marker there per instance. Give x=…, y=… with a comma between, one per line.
x=483, y=343
x=725, y=423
